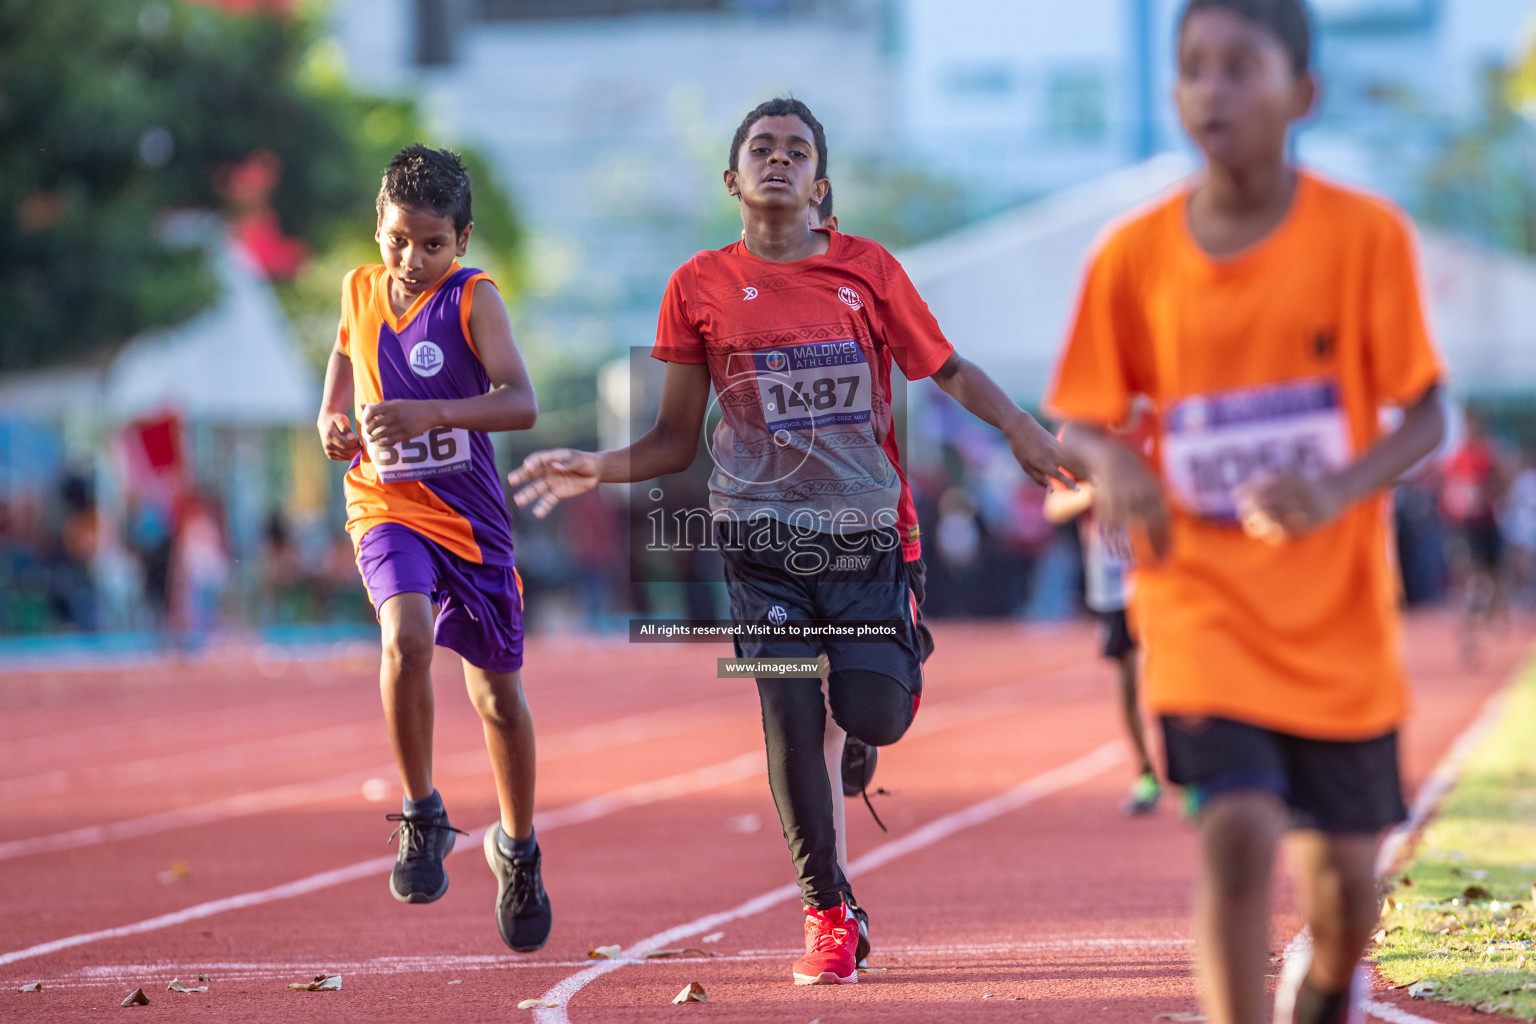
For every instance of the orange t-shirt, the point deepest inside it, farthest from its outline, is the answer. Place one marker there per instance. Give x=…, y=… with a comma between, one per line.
x=1278, y=358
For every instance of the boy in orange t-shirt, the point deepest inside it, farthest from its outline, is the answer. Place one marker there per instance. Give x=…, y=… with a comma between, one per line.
x=1267, y=316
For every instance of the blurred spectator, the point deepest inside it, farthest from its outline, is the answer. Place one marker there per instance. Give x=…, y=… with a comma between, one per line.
x=1520, y=529
x=199, y=569
x=1420, y=538
x=1473, y=483
x=149, y=539
x=286, y=594
x=73, y=589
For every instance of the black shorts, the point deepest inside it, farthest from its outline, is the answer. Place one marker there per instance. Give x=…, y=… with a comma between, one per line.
x=1342, y=787
x=1485, y=544
x=1118, y=641
x=773, y=574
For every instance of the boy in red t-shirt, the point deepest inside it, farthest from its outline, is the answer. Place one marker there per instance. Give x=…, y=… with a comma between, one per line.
x=1267, y=316
x=796, y=329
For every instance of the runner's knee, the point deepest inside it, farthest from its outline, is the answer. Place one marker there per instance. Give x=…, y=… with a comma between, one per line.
x=871, y=706
x=408, y=648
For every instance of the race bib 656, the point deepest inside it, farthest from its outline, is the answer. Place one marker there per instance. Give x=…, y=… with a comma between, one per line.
x=438, y=452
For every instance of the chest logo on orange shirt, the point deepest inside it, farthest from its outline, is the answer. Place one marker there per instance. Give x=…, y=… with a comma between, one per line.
x=426, y=359
x=1322, y=344
x=851, y=297
x=748, y=293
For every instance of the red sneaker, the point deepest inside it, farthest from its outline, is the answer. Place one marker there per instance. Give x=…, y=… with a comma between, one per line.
x=830, y=939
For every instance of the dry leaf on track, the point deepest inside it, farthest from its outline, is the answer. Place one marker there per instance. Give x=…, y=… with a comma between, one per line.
x=672, y=954
x=322, y=983
x=35, y=986
x=1180, y=1016
x=604, y=953
x=136, y=998
x=873, y=970
x=713, y=937
x=536, y=1004
x=203, y=977
x=1422, y=989
x=179, y=871
x=177, y=985
x=693, y=992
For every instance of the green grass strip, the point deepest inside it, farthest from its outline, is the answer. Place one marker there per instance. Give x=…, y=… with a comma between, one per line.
x=1462, y=916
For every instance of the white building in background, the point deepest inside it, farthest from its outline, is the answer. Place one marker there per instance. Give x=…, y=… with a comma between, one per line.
x=1020, y=98
x=609, y=119
x=611, y=132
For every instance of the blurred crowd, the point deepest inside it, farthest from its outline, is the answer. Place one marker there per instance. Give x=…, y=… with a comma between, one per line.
x=163, y=567
x=165, y=564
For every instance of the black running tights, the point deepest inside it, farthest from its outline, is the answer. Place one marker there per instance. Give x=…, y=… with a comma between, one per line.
x=871, y=706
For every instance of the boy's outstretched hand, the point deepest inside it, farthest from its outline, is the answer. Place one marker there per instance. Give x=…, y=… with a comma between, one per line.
x=546, y=477
x=337, y=437
x=1277, y=508
x=1042, y=456
x=1129, y=495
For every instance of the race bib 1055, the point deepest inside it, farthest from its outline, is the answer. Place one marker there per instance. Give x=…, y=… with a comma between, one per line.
x=1215, y=442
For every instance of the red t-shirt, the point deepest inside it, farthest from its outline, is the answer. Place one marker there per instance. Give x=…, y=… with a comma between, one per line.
x=800, y=356
x=1467, y=498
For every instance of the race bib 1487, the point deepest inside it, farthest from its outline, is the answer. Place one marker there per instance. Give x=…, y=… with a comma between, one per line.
x=823, y=383
x=1215, y=442
x=438, y=452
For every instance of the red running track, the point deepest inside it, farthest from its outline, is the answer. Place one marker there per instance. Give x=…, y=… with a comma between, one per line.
x=226, y=818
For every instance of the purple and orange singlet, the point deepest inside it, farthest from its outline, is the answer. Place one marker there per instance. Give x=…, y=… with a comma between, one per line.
x=443, y=484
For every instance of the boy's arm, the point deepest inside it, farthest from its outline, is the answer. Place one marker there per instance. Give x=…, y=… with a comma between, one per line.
x=546, y=477
x=1289, y=505
x=1126, y=493
x=1038, y=453
x=336, y=434
x=509, y=405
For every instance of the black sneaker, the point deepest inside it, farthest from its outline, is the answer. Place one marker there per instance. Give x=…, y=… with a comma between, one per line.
x=419, y=876
x=523, y=915
x=859, y=760
x=861, y=951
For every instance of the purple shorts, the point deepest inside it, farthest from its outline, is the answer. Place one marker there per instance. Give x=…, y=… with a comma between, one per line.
x=480, y=607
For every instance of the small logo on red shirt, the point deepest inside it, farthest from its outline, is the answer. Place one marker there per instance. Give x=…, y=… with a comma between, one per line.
x=748, y=294
x=851, y=297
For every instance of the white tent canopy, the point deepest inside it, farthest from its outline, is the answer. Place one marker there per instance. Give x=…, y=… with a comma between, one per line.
x=1004, y=289
x=237, y=363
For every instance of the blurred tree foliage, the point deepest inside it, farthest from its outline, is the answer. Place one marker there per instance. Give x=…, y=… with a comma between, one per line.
x=1484, y=183
x=113, y=114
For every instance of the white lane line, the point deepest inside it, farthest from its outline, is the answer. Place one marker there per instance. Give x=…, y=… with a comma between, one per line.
x=227, y=757
x=734, y=770
x=403, y=965
x=584, y=740
x=1392, y=1015
x=1434, y=789
x=587, y=739
x=1070, y=774
x=1395, y=848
